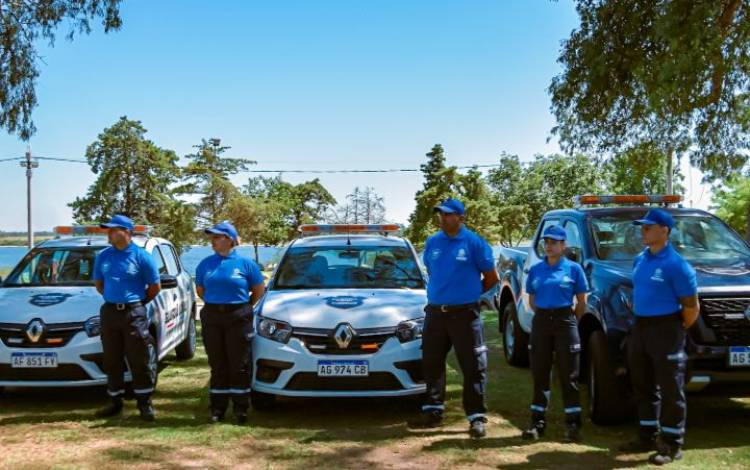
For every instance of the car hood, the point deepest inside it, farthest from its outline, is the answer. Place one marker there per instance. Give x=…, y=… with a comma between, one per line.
x=361, y=308
x=725, y=275
x=50, y=304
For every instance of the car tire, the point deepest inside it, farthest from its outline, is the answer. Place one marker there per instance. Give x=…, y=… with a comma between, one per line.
x=515, y=340
x=186, y=349
x=607, y=402
x=262, y=401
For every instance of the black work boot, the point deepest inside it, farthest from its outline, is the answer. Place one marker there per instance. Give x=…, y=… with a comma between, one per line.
x=427, y=419
x=572, y=432
x=476, y=427
x=216, y=416
x=114, y=408
x=666, y=452
x=638, y=445
x=535, y=430
x=147, y=410
x=240, y=416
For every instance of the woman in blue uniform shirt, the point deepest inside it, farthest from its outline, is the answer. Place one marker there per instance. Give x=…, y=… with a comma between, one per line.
x=229, y=284
x=552, y=285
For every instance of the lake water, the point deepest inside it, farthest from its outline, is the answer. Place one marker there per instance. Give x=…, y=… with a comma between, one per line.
x=10, y=255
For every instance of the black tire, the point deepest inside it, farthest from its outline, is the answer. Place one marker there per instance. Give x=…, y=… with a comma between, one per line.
x=515, y=340
x=262, y=401
x=607, y=402
x=186, y=349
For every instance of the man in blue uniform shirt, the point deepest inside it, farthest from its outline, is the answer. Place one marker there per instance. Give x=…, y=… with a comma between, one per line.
x=127, y=277
x=461, y=266
x=665, y=301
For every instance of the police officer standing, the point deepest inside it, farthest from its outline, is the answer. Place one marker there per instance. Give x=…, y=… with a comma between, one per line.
x=128, y=279
x=229, y=284
x=665, y=301
x=461, y=266
x=552, y=284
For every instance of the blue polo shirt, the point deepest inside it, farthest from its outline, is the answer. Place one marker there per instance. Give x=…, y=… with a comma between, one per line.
x=125, y=273
x=455, y=265
x=659, y=282
x=227, y=280
x=555, y=286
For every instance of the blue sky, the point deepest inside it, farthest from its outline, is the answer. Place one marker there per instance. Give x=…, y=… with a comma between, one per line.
x=301, y=85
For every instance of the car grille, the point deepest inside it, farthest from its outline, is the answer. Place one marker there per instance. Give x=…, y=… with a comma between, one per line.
x=62, y=372
x=55, y=335
x=727, y=318
x=365, y=341
x=376, y=381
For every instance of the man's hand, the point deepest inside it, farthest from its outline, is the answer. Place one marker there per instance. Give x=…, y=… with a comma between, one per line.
x=690, y=310
x=489, y=279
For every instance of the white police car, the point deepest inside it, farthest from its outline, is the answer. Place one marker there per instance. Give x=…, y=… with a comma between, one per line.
x=342, y=317
x=49, y=311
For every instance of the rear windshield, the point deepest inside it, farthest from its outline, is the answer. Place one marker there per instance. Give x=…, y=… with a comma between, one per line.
x=327, y=267
x=55, y=267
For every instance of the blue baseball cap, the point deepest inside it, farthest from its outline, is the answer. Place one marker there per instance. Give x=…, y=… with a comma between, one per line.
x=656, y=217
x=119, y=221
x=223, y=228
x=450, y=206
x=555, y=232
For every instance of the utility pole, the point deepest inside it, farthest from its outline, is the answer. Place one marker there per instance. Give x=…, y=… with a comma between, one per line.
x=29, y=165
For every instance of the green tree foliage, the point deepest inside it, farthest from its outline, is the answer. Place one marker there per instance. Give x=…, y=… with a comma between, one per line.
x=207, y=174
x=23, y=25
x=732, y=204
x=641, y=170
x=672, y=72
x=134, y=177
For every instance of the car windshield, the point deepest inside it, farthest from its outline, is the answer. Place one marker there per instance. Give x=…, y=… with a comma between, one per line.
x=54, y=267
x=327, y=267
x=697, y=238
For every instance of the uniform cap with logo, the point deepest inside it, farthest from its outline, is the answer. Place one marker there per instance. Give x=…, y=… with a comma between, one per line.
x=450, y=206
x=656, y=217
x=119, y=221
x=223, y=228
x=555, y=232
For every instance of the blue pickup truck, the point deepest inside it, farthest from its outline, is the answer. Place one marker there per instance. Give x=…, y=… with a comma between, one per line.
x=602, y=239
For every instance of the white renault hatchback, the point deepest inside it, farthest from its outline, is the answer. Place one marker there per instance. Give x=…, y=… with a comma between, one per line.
x=342, y=317
x=49, y=311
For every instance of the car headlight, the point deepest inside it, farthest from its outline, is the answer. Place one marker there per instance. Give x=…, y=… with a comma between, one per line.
x=93, y=326
x=410, y=330
x=274, y=330
x=626, y=297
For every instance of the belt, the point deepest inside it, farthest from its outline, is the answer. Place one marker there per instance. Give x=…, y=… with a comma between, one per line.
x=658, y=319
x=125, y=306
x=451, y=308
x=227, y=307
x=555, y=311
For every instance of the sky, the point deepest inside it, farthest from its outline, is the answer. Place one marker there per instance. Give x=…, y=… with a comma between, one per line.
x=308, y=85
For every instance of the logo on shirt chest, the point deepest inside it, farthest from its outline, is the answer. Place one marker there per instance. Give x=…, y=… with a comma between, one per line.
x=131, y=269
x=566, y=281
x=105, y=266
x=435, y=253
x=461, y=255
x=657, y=276
x=236, y=273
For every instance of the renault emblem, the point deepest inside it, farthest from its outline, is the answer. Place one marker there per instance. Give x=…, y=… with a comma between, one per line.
x=34, y=330
x=343, y=335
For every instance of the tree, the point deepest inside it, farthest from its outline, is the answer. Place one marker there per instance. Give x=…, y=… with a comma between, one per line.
x=672, y=72
x=363, y=206
x=248, y=215
x=640, y=170
x=732, y=204
x=22, y=24
x=435, y=189
x=134, y=177
x=207, y=174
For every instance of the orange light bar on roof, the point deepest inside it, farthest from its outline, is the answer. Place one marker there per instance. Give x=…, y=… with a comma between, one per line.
x=94, y=230
x=628, y=199
x=311, y=229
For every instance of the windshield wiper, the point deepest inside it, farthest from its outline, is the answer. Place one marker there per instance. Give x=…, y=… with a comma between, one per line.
x=409, y=277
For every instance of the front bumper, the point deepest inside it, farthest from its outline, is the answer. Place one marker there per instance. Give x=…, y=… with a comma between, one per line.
x=296, y=374
x=710, y=365
x=79, y=365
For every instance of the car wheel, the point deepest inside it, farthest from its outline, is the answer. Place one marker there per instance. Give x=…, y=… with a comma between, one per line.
x=262, y=401
x=186, y=349
x=515, y=340
x=607, y=402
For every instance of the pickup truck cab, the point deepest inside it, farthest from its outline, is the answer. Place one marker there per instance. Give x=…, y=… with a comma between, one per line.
x=604, y=241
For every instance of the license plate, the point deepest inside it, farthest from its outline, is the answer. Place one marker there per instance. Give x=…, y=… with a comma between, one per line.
x=739, y=356
x=33, y=360
x=343, y=369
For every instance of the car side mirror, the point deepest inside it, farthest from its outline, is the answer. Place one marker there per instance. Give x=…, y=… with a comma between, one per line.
x=573, y=254
x=168, y=281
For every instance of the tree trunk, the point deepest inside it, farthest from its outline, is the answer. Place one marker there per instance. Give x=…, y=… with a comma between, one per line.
x=257, y=258
x=670, y=171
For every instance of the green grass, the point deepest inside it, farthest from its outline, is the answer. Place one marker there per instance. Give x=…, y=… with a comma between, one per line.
x=55, y=429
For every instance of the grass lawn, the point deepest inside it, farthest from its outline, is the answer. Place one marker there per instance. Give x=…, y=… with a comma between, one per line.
x=55, y=429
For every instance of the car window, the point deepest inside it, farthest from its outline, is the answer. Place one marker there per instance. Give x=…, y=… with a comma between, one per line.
x=55, y=267
x=159, y=260
x=170, y=259
x=327, y=267
x=574, y=247
x=540, y=241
